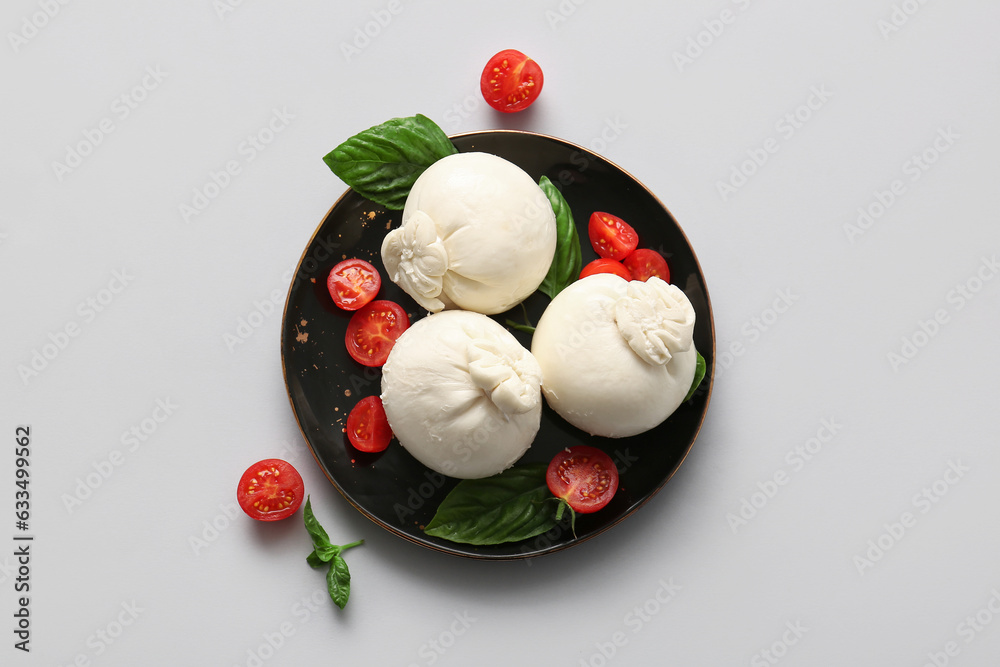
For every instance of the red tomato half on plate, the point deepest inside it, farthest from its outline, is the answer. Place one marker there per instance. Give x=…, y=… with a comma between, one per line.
x=373, y=331
x=583, y=476
x=605, y=265
x=511, y=81
x=270, y=490
x=611, y=236
x=353, y=283
x=645, y=263
x=367, y=426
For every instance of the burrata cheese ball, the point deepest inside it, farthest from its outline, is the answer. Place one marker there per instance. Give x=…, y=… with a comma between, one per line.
x=617, y=356
x=462, y=395
x=477, y=234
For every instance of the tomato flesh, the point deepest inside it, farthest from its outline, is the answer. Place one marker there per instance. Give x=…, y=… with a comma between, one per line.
x=353, y=284
x=511, y=81
x=270, y=490
x=373, y=330
x=367, y=426
x=645, y=263
x=605, y=265
x=610, y=236
x=585, y=477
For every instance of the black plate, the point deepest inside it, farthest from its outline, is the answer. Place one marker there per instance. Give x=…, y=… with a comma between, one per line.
x=392, y=488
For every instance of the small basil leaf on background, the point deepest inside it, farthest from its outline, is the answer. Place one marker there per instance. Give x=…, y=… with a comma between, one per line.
x=699, y=375
x=338, y=577
x=382, y=162
x=338, y=581
x=507, y=507
x=568, y=259
x=314, y=560
x=326, y=554
x=319, y=537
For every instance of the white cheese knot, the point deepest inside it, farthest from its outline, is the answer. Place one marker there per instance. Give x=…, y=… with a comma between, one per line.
x=416, y=260
x=656, y=320
x=462, y=394
x=616, y=356
x=513, y=384
x=484, y=238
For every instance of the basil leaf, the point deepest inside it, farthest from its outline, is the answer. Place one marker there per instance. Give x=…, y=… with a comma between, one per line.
x=699, y=375
x=568, y=259
x=526, y=328
x=338, y=577
x=338, y=581
x=314, y=559
x=319, y=537
x=572, y=516
x=508, y=507
x=382, y=162
x=327, y=553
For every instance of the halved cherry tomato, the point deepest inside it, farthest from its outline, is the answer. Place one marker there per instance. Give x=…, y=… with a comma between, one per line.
x=373, y=331
x=270, y=490
x=644, y=263
x=353, y=283
x=583, y=476
x=511, y=81
x=367, y=427
x=605, y=265
x=611, y=236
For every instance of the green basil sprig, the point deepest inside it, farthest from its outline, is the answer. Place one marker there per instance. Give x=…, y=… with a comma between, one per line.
x=382, y=162
x=511, y=506
x=699, y=375
x=564, y=505
x=338, y=577
x=527, y=327
x=568, y=260
x=517, y=326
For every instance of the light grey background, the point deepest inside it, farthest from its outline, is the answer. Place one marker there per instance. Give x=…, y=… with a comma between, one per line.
x=831, y=560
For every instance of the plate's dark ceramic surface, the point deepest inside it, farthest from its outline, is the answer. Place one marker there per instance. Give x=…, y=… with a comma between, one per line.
x=324, y=383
